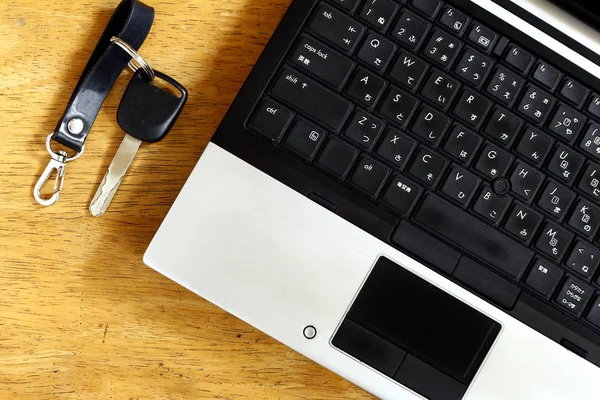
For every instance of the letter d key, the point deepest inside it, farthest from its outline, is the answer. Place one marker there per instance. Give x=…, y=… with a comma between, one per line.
x=146, y=114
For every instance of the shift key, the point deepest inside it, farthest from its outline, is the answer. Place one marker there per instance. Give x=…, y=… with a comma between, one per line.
x=321, y=61
x=312, y=98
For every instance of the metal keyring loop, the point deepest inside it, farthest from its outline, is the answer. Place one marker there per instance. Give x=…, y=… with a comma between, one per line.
x=56, y=156
x=134, y=57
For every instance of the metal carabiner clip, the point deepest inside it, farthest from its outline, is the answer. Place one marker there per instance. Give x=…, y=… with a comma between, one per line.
x=57, y=164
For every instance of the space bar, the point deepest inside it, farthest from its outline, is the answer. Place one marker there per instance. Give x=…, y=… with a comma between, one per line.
x=474, y=236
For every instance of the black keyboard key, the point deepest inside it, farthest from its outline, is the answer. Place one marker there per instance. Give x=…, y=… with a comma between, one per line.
x=368, y=347
x=363, y=129
x=585, y=218
x=426, y=247
x=427, y=166
x=503, y=126
x=584, y=259
x=505, y=85
x=428, y=7
x=313, y=98
x=546, y=75
x=591, y=140
x=408, y=70
x=519, y=59
x=574, y=91
x=473, y=235
x=590, y=181
x=594, y=105
x=556, y=200
x=336, y=28
x=593, y=315
x=348, y=5
x=554, y=241
x=337, y=157
x=567, y=123
x=365, y=87
x=493, y=162
x=460, y=185
x=398, y=106
x=565, y=163
x=536, y=104
x=472, y=108
x=322, y=62
x=442, y=48
x=401, y=194
x=454, y=20
x=378, y=13
x=525, y=181
x=430, y=125
x=473, y=66
x=522, y=222
x=369, y=175
x=271, y=119
x=490, y=205
x=376, y=51
x=440, y=89
x=483, y=37
x=396, y=148
x=574, y=296
x=544, y=277
x=304, y=138
x=462, y=144
x=410, y=30
x=500, y=46
x=487, y=282
x=535, y=145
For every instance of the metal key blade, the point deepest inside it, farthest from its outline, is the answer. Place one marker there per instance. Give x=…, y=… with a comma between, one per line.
x=116, y=171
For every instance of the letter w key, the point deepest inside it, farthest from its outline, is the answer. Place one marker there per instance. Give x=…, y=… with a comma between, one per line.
x=146, y=114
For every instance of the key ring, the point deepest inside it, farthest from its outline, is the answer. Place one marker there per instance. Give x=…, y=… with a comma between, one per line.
x=134, y=57
x=131, y=20
x=59, y=160
x=58, y=163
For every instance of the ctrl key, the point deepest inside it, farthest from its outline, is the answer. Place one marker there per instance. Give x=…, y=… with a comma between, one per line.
x=574, y=296
x=271, y=119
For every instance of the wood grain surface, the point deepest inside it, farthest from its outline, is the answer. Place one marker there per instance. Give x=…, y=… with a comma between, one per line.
x=80, y=315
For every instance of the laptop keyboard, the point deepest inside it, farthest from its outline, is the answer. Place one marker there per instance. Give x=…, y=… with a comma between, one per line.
x=488, y=152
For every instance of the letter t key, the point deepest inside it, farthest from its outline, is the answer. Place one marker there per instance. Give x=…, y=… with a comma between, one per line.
x=146, y=114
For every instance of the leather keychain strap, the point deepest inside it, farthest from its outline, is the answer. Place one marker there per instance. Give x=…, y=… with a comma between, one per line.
x=131, y=22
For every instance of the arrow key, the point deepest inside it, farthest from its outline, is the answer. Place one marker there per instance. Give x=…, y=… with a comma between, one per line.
x=584, y=259
x=525, y=181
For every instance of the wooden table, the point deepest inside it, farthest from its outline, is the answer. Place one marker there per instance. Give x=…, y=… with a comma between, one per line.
x=80, y=315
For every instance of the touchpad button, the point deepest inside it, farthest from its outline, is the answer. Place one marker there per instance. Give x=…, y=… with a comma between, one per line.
x=424, y=321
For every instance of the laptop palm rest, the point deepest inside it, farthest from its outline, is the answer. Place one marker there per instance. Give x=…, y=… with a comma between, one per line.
x=415, y=333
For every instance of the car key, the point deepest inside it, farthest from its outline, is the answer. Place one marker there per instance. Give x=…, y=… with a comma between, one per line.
x=146, y=114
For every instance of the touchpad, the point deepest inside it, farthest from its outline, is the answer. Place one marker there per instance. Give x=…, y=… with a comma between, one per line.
x=413, y=331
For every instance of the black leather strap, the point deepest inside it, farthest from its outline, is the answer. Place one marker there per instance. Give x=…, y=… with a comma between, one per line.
x=131, y=22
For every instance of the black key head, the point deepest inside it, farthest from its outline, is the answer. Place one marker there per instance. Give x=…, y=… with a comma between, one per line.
x=148, y=112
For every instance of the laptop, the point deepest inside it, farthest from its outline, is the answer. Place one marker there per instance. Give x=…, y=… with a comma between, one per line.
x=408, y=193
